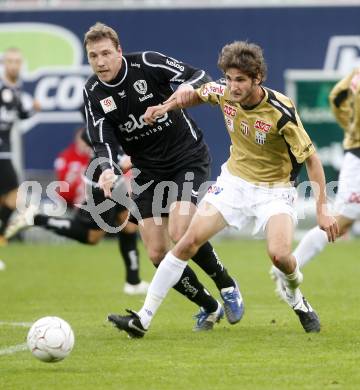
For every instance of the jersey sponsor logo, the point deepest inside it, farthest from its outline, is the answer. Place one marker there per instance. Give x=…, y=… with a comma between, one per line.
x=229, y=110
x=7, y=115
x=214, y=189
x=213, y=88
x=149, y=96
x=229, y=124
x=174, y=64
x=244, y=127
x=140, y=86
x=262, y=126
x=133, y=123
x=108, y=104
x=135, y=65
x=260, y=137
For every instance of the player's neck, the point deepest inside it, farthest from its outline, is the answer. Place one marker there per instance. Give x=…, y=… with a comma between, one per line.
x=12, y=81
x=255, y=98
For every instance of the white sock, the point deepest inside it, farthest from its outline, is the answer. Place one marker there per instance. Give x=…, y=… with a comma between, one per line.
x=293, y=296
x=166, y=276
x=294, y=279
x=311, y=244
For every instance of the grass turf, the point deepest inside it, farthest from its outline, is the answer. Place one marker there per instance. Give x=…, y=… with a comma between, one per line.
x=267, y=350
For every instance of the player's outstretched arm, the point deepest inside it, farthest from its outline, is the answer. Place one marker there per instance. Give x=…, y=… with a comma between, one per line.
x=184, y=96
x=316, y=175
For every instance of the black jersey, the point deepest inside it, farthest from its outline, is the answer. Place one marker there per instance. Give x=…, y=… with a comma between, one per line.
x=11, y=109
x=115, y=115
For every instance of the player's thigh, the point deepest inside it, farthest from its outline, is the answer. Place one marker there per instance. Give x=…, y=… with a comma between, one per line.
x=279, y=235
x=122, y=218
x=154, y=234
x=206, y=222
x=9, y=199
x=180, y=217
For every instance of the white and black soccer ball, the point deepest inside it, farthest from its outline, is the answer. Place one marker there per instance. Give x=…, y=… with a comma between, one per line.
x=50, y=339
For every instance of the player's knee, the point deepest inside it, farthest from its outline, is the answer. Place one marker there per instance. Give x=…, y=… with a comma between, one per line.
x=188, y=245
x=156, y=254
x=176, y=233
x=94, y=236
x=279, y=255
x=130, y=228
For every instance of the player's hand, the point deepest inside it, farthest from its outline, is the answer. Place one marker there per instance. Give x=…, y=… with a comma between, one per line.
x=154, y=112
x=329, y=225
x=36, y=105
x=125, y=163
x=106, y=181
x=183, y=96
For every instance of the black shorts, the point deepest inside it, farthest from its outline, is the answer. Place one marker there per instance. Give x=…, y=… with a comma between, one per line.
x=109, y=216
x=8, y=177
x=188, y=183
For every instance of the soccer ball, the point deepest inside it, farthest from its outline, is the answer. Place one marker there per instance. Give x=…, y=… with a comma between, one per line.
x=50, y=339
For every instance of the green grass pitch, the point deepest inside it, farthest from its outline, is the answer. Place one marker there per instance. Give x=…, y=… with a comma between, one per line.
x=267, y=350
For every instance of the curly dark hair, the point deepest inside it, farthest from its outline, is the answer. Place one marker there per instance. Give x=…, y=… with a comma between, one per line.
x=247, y=57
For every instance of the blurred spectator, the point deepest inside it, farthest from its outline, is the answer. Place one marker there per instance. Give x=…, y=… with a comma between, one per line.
x=70, y=166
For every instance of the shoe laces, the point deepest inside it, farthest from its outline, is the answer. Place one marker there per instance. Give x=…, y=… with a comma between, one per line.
x=231, y=296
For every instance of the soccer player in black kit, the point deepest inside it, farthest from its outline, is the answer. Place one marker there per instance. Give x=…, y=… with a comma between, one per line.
x=173, y=150
x=11, y=109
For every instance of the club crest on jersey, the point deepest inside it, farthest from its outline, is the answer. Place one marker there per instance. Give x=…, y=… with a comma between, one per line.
x=262, y=126
x=229, y=110
x=260, y=137
x=244, y=127
x=229, y=124
x=7, y=95
x=108, y=104
x=140, y=87
x=213, y=88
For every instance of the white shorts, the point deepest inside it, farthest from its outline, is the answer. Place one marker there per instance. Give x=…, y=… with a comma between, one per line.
x=347, y=201
x=241, y=202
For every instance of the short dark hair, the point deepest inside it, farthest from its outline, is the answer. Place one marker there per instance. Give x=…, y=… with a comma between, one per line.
x=247, y=57
x=99, y=31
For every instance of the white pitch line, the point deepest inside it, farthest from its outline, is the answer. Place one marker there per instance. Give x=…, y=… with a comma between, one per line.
x=13, y=349
x=22, y=324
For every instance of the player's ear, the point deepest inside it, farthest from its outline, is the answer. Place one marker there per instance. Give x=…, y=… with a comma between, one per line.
x=119, y=50
x=257, y=80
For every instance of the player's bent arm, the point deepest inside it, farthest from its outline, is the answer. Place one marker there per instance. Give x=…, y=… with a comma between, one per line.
x=317, y=177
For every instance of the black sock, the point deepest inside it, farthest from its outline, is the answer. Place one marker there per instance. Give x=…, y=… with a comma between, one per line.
x=207, y=259
x=67, y=227
x=5, y=214
x=190, y=286
x=130, y=254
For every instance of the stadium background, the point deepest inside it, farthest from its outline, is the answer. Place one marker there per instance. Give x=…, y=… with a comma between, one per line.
x=268, y=350
x=302, y=38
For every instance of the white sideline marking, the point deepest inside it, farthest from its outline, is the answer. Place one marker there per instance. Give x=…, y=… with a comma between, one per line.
x=22, y=324
x=13, y=349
